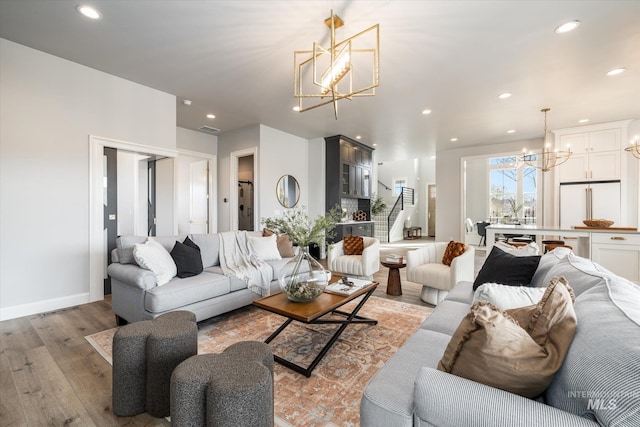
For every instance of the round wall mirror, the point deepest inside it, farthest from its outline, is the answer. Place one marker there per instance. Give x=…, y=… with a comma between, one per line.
x=288, y=191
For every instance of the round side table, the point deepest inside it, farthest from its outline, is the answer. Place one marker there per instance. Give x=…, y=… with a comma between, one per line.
x=394, y=286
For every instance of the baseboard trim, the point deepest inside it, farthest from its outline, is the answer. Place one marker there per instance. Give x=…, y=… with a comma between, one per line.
x=22, y=310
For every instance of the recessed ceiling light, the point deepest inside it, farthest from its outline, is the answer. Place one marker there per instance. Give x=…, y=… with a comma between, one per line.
x=453, y=139
x=511, y=131
x=433, y=157
x=296, y=108
x=566, y=27
x=616, y=71
x=211, y=116
x=358, y=137
x=425, y=112
x=504, y=95
x=89, y=12
x=375, y=145
x=583, y=120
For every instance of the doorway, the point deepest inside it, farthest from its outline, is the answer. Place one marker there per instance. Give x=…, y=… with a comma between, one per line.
x=98, y=249
x=110, y=206
x=431, y=210
x=194, y=174
x=245, y=193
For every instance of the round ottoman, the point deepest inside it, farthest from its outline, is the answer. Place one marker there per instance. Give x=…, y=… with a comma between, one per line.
x=233, y=388
x=144, y=357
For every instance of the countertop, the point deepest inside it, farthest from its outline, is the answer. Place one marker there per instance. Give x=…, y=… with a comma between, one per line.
x=353, y=222
x=559, y=230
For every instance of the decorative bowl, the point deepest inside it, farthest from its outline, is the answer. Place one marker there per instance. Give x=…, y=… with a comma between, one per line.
x=599, y=223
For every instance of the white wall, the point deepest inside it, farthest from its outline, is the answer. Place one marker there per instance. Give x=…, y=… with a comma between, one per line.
x=48, y=108
x=127, y=181
x=316, y=177
x=166, y=224
x=142, y=226
x=201, y=142
x=280, y=154
x=245, y=138
x=477, y=189
x=449, y=215
x=419, y=172
x=426, y=176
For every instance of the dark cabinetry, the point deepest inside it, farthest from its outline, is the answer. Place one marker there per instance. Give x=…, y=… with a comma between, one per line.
x=353, y=163
x=355, y=229
x=348, y=176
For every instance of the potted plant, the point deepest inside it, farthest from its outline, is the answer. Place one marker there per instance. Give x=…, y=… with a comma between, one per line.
x=303, y=278
x=378, y=205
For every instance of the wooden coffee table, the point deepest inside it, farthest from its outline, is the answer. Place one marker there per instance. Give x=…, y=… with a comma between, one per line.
x=312, y=313
x=394, y=285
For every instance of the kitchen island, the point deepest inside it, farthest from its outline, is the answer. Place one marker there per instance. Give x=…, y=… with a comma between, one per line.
x=616, y=249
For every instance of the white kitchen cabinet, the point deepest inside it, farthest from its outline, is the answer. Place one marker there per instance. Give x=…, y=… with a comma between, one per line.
x=618, y=252
x=596, y=156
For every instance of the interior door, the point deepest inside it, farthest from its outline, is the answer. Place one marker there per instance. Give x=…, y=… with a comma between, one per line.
x=151, y=199
x=431, y=220
x=110, y=207
x=199, y=197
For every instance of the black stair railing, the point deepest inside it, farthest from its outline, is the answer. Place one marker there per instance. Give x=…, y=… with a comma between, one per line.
x=406, y=197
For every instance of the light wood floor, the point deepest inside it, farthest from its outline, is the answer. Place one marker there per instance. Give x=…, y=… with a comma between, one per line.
x=51, y=376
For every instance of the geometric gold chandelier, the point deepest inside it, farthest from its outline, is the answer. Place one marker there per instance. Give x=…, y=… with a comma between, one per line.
x=634, y=148
x=344, y=70
x=548, y=158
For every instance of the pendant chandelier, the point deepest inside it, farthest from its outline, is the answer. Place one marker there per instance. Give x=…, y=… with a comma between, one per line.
x=345, y=70
x=634, y=148
x=548, y=158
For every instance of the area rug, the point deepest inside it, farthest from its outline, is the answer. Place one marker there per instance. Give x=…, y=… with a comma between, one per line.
x=331, y=396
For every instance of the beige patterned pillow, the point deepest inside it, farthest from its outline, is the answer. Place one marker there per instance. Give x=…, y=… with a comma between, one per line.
x=453, y=250
x=517, y=350
x=353, y=245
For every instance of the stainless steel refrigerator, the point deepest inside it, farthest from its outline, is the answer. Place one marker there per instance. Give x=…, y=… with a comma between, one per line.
x=589, y=200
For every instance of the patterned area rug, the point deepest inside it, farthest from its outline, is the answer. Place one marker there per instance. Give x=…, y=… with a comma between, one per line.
x=331, y=396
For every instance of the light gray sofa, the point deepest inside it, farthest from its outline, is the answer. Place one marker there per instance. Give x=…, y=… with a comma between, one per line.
x=598, y=383
x=136, y=296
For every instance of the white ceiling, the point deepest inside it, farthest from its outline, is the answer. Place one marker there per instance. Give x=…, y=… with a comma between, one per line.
x=235, y=59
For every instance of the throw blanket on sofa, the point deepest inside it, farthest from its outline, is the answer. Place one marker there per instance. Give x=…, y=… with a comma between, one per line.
x=236, y=260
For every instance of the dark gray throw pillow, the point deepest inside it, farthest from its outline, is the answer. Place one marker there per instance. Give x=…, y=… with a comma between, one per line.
x=506, y=269
x=189, y=242
x=187, y=258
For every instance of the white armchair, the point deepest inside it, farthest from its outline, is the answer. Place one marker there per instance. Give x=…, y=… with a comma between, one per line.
x=424, y=266
x=360, y=266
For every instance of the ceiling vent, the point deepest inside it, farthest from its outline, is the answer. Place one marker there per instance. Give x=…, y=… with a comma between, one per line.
x=209, y=129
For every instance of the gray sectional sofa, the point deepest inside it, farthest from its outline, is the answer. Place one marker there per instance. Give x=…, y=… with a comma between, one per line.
x=136, y=296
x=598, y=383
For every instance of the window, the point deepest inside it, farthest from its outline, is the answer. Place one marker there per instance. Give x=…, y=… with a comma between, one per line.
x=513, y=190
x=398, y=185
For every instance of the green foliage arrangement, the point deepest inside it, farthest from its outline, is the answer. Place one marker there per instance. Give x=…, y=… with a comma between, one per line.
x=302, y=229
x=377, y=205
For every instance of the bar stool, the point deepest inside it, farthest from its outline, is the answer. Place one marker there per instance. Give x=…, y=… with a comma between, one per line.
x=550, y=245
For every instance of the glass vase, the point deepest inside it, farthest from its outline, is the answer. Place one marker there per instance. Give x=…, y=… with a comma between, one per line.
x=303, y=278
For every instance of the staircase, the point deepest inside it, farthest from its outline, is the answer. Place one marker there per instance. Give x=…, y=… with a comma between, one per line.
x=389, y=222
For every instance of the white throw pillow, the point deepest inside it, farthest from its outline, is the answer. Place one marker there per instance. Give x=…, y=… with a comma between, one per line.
x=151, y=255
x=506, y=297
x=526, y=250
x=265, y=248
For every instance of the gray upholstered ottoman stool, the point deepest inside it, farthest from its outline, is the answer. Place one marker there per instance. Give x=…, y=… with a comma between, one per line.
x=144, y=356
x=229, y=389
